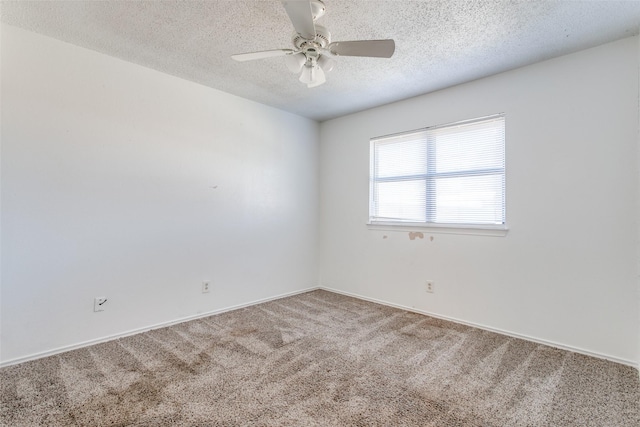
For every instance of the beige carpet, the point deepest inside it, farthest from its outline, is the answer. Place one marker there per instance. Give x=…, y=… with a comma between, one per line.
x=319, y=359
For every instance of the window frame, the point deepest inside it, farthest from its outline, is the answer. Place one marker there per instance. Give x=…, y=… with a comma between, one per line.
x=430, y=177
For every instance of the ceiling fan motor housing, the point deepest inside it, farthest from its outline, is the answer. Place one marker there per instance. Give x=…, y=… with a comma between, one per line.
x=321, y=40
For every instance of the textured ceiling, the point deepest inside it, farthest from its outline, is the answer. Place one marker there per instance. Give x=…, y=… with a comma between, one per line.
x=438, y=43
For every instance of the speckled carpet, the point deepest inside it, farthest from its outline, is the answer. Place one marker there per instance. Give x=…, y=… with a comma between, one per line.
x=319, y=359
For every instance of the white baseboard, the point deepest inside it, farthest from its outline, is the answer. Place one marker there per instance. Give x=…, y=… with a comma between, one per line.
x=63, y=349
x=491, y=329
x=66, y=348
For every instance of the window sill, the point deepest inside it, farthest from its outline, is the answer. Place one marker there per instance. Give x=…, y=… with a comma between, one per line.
x=475, y=230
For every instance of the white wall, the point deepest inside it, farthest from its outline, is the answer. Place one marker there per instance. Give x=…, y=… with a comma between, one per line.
x=566, y=273
x=108, y=171
x=124, y=182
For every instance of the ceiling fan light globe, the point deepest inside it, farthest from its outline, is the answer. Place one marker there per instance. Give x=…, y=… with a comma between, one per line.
x=326, y=63
x=295, y=62
x=316, y=83
x=307, y=75
x=318, y=78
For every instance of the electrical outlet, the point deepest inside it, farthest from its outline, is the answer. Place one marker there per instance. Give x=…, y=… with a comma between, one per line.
x=206, y=285
x=430, y=286
x=99, y=303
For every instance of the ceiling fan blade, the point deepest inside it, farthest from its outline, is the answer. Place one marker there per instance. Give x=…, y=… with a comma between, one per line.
x=241, y=57
x=371, y=48
x=301, y=17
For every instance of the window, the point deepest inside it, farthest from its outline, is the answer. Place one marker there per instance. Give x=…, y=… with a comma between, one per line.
x=449, y=175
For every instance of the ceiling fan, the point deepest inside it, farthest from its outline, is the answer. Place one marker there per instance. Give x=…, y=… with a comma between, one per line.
x=313, y=52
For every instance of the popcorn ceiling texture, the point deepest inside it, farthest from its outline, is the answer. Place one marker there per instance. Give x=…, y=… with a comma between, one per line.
x=438, y=43
x=319, y=359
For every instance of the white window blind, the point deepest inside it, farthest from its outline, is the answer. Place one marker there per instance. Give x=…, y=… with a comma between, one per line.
x=450, y=174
